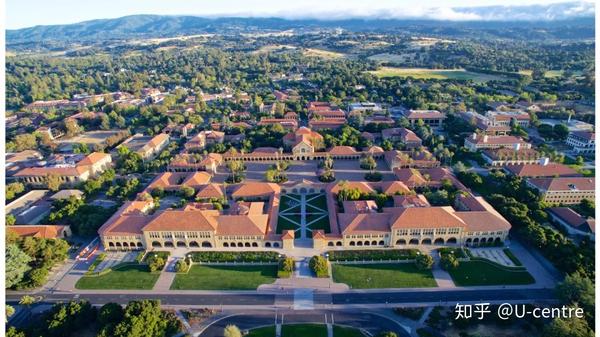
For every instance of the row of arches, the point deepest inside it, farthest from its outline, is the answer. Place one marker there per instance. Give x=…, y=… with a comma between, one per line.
x=303, y=190
x=478, y=241
x=192, y=244
x=337, y=243
x=125, y=245
x=438, y=241
x=367, y=243
x=240, y=244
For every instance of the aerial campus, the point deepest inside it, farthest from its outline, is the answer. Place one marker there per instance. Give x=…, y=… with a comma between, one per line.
x=306, y=181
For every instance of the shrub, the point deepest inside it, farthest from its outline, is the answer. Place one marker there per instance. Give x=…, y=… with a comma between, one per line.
x=156, y=261
x=327, y=176
x=140, y=257
x=374, y=176
x=232, y=331
x=459, y=253
x=286, y=267
x=449, y=262
x=235, y=256
x=181, y=266
x=319, y=266
x=411, y=313
x=424, y=262
x=369, y=255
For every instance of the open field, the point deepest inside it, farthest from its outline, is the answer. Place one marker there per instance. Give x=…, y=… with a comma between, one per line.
x=205, y=277
x=90, y=137
x=326, y=54
x=384, y=275
x=394, y=58
x=549, y=73
x=484, y=273
x=274, y=48
x=128, y=276
x=439, y=74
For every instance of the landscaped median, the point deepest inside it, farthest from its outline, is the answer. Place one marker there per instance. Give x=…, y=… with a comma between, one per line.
x=229, y=271
x=389, y=268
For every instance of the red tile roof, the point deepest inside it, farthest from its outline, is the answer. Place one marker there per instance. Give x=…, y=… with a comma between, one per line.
x=537, y=170
x=39, y=231
x=564, y=184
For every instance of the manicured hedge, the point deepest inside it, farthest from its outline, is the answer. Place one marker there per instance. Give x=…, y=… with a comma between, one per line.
x=163, y=255
x=459, y=253
x=373, y=255
x=235, y=256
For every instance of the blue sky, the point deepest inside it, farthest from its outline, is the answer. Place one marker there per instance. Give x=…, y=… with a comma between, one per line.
x=26, y=13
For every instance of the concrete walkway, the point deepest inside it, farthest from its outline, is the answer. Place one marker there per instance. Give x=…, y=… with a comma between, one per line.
x=442, y=277
x=167, y=276
x=543, y=278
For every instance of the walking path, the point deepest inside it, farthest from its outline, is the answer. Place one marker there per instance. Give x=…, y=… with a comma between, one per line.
x=305, y=209
x=442, y=277
x=304, y=299
x=167, y=276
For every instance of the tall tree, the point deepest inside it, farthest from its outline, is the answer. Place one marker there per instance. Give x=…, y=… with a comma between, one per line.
x=16, y=265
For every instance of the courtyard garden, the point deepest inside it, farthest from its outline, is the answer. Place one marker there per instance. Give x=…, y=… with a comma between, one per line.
x=296, y=208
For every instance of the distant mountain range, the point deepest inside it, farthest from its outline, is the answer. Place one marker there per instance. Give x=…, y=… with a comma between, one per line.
x=577, y=16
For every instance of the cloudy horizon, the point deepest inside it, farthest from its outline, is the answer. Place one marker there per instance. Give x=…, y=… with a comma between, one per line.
x=19, y=14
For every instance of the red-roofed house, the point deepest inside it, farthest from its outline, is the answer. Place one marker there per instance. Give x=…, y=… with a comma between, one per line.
x=564, y=190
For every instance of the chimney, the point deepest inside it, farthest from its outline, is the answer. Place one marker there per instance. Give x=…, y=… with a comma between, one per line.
x=485, y=138
x=544, y=161
x=474, y=136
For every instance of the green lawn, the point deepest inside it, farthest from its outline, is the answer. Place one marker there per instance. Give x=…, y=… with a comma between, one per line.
x=484, y=273
x=319, y=202
x=285, y=224
x=126, y=276
x=267, y=331
x=205, y=277
x=322, y=223
x=341, y=331
x=286, y=203
x=305, y=330
x=384, y=275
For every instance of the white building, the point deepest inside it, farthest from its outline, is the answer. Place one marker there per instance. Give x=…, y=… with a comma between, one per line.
x=582, y=142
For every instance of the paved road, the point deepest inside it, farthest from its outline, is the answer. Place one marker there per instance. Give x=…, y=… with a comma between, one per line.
x=285, y=300
x=371, y=322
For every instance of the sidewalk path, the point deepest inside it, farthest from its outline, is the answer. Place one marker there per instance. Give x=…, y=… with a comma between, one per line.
x=442, y=277
x=166, y=276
